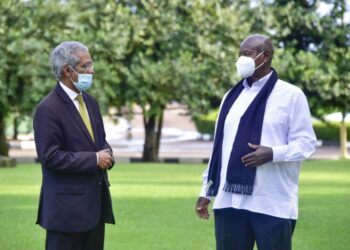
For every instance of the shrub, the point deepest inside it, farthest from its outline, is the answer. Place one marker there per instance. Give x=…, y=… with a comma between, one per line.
x=329, y=131
x=205, y=124
x=325, y=131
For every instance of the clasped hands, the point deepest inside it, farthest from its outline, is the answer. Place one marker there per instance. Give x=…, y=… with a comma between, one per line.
x=105, y=159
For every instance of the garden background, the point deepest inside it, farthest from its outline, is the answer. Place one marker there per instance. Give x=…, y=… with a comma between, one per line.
x=149, y=54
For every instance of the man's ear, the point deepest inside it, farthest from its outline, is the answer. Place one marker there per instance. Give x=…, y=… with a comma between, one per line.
x=66, y=70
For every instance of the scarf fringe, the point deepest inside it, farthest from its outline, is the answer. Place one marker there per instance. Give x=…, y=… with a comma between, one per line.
x=212, y=191
x=238, y=188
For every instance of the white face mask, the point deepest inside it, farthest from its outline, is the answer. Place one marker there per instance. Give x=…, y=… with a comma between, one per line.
x=246, y=65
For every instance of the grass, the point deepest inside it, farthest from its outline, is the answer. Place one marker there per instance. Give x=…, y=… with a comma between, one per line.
x=154, y=208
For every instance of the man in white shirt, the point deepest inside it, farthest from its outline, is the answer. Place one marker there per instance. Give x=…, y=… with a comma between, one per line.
x=262, y=133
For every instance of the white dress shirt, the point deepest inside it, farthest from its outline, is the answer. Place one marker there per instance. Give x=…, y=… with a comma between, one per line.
x=287, y=129
x=73, y=95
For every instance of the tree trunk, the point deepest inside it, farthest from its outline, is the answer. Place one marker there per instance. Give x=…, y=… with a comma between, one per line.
x=15, y=128
x=149, y=147
x=4, y=149
x=343, y=140
x=153, y=129
x=159, y=130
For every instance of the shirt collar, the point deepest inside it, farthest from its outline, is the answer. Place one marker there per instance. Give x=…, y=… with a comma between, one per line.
x=257, y=84
x=72, y=95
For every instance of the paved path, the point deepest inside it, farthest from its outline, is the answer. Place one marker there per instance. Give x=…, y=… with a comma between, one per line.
x=180, y=141
x=181, y=151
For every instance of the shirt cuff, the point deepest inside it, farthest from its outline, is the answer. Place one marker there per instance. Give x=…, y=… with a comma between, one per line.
x=96, y=159
x=279, y=153
x=203, y=192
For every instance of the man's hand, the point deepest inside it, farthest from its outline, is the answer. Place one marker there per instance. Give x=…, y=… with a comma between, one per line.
x=260, y=156
x=202, y=208
x=110, y=152
x=105, y=159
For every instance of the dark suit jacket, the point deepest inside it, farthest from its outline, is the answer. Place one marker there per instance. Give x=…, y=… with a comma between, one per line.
x=70, y=197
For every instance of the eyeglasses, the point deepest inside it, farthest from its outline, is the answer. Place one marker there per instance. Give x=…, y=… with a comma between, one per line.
x=83, y=68
x=87, y=66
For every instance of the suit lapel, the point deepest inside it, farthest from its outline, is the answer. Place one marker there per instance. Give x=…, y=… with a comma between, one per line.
x=74, y=112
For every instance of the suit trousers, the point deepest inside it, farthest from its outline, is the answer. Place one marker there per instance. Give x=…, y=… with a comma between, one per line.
x=237, y=229
x=89, y=240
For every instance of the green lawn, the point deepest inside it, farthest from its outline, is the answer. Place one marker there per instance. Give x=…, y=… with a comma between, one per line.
x=154, y=208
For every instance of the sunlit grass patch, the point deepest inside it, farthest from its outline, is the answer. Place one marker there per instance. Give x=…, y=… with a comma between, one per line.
x=154, y=208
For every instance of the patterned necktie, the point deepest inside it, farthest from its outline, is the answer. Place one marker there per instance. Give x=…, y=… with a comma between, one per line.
x=84, y=115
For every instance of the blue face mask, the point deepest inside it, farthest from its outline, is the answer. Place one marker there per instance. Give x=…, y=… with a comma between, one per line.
x=84, y=81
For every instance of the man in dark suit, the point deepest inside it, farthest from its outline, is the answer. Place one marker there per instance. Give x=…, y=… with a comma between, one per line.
x=75, y=201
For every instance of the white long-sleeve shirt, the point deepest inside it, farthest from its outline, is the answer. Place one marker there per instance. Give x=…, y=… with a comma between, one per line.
x=287, y=129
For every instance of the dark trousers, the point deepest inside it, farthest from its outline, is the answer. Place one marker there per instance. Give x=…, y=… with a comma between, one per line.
x=90, y=240
x=237, y=229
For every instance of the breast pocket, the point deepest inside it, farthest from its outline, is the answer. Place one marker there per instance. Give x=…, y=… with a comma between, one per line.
x=276, y=124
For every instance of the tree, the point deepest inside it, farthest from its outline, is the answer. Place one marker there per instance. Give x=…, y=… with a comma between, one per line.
x=153, y=52
x=308, y=55
x=28, y=31
x=335, y=51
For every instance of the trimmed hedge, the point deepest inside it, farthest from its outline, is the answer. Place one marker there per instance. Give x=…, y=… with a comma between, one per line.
x=329, y=131
x=205, y=124
x=325, y=131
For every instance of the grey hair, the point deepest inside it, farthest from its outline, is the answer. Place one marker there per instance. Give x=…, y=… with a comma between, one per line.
x=64, y=54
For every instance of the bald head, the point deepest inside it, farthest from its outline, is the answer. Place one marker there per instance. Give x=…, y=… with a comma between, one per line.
x=257, y=44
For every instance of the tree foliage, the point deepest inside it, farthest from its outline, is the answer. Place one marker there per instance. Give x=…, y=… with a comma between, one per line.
x=152, y=52
x=162, y=51
x=25, y=41
x=312, y=48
